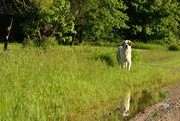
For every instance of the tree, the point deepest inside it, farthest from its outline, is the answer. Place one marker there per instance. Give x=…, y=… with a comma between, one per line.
x=104, y=18
x=45, y=18
x=151, y=20
x=6, y=21
x=78, y=11
x=97, y=19
x=7, y=36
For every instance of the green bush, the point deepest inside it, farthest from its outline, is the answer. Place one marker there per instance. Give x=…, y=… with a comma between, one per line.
x=135, y=56
x=108, y=58
x=107, y=55
x=174, y=48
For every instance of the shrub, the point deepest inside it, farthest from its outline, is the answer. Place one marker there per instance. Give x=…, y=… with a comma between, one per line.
x=174, y=48
x=108, y=58
x=135, y=57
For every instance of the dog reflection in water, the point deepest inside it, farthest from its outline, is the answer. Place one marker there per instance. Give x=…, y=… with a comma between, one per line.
x=124, y=105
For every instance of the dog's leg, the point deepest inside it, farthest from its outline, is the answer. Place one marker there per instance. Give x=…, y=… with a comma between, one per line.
x=122, y=65
x=125, y=65
x=128, y=65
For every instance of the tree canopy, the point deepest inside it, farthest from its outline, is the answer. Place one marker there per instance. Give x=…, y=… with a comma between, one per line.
x=152, y=20
x=92, y=20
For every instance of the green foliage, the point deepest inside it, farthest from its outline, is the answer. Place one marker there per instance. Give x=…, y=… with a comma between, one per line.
x=108, y=58
x=44, y=19
x=96, y=19
x=154, y=21
x=174, y=47
x=106, y=55
x=151, y=20
x=101, y=19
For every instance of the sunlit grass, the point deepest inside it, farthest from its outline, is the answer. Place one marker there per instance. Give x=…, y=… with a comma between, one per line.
x=63, y=83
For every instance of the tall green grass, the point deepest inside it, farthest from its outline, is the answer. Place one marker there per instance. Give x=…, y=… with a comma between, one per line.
x=78, y=83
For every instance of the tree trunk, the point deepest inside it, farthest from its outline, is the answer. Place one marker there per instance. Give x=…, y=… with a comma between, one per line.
x=7, y=37
x=39, y=35
x=39, y=38
x=73, y=39
x=80, y=35
x=6, y=43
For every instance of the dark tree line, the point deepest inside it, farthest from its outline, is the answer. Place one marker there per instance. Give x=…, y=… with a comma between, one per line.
x=91, y=20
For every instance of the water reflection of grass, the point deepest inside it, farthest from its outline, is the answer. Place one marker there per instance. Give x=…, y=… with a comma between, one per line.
x=146, y=98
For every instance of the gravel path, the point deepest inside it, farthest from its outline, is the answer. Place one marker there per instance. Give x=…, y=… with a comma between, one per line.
x=166, y=110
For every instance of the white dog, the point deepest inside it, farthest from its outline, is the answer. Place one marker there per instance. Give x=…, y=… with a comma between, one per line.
x=124, y=54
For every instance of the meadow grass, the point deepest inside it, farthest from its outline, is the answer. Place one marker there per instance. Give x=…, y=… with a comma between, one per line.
x=79, y=83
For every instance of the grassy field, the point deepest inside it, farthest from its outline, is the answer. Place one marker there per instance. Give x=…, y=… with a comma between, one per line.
x=80, y=83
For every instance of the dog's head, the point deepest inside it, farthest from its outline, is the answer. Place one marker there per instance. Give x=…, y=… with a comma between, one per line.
x=126, y=44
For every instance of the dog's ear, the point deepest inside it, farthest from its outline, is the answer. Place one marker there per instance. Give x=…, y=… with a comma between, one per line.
x=129, y=43
x=123, y=44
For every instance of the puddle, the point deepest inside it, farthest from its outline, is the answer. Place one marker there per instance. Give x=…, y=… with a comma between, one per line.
x=146, y=98
x=167, y=104
x=138, y=102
